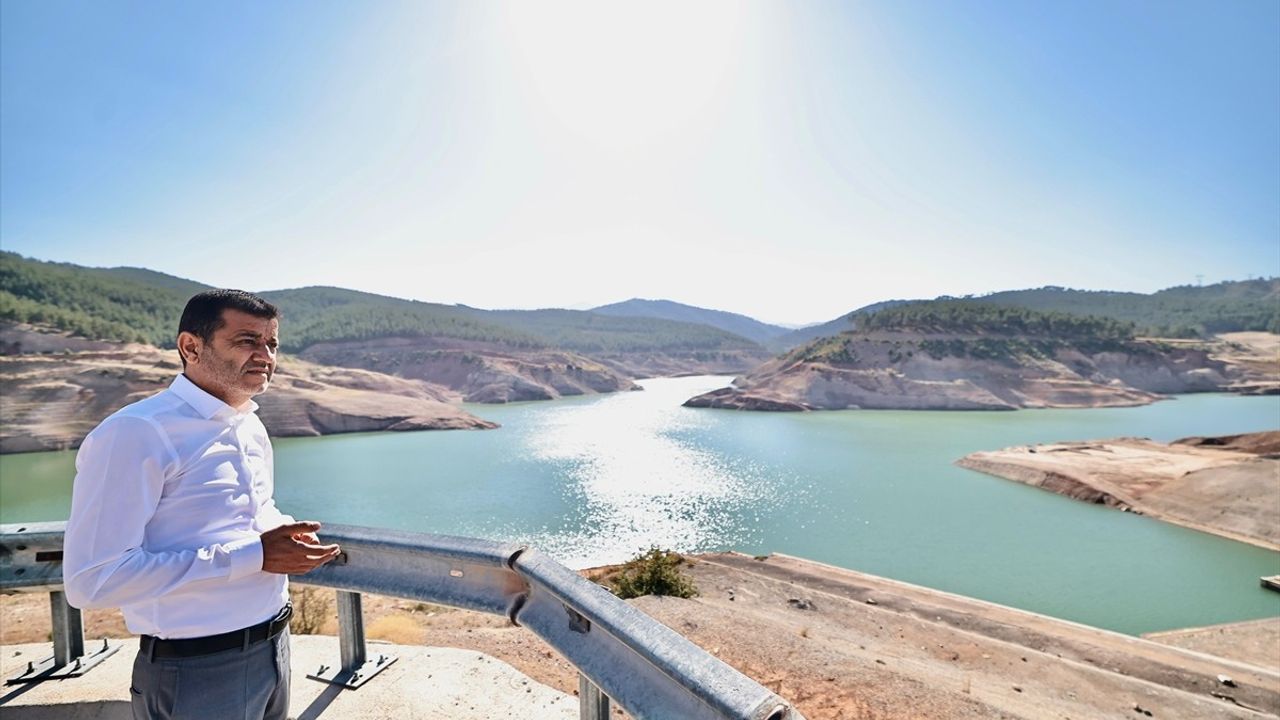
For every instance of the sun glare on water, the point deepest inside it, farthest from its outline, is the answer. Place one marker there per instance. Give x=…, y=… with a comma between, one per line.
x=638, y=483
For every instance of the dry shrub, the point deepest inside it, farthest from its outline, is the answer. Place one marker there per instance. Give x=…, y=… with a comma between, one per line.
x=430, y=609
x=312, y=608
x=654, y=572
x=399, y=629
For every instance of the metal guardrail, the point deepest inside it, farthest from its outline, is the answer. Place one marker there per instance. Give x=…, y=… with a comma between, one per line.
x=621, y=653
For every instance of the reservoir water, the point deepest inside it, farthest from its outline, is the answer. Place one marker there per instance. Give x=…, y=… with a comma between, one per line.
x=593, y=480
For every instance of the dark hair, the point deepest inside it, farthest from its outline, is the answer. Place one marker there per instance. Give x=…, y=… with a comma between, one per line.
x=203, y=314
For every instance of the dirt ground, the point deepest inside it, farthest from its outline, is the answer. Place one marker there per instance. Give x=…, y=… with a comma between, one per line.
x=1256, y=641
x=841, y=645
x=1257, y=354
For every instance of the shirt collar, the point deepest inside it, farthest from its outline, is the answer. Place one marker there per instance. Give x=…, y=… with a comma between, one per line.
x=207, y=405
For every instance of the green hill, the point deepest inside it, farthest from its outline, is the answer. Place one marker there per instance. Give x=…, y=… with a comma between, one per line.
x=967, y=329
x=584, y=331
x=121, y=304
x=984, y=330
x=322, y=314
x=844, y=323
x=1178, y=312
x=1185, y=311
x=977, y=318
x=139, y=305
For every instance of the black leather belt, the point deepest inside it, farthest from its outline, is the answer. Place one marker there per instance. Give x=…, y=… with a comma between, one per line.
x=154, y=647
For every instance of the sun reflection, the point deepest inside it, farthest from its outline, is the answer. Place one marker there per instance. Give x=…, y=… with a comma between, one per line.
x=636, y=483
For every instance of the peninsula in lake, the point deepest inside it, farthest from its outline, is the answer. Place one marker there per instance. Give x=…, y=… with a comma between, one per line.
x=1227, y=485
x=53, y=399
x=961, y=355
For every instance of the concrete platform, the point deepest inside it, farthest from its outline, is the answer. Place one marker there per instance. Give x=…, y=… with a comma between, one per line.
x=425, y=683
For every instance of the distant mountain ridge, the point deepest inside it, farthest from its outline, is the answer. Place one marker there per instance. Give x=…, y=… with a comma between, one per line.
x=734, y=323
x=140, y=305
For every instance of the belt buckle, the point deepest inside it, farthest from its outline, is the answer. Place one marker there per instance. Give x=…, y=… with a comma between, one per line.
x=281, y=620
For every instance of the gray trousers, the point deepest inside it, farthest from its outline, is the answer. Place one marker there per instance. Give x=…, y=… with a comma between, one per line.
x=234, y=684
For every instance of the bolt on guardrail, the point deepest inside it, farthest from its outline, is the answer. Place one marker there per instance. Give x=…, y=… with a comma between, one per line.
x=621, y=653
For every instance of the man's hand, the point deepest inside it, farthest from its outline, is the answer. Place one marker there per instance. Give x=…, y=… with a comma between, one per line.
x=293, y=549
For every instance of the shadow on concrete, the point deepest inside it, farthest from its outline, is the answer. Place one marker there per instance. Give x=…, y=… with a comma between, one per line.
x=18, y=690
x=320, y=704
x=103, y=710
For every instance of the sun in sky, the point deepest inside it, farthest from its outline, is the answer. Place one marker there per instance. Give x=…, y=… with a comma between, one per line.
x=787, y=161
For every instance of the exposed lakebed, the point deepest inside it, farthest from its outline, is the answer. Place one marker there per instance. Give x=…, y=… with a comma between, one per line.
x=593, y=479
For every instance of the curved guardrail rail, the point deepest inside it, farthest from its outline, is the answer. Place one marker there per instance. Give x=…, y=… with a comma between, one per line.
x=621, y=653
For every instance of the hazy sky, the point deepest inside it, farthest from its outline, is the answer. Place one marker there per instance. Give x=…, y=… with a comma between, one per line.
x=790, y=161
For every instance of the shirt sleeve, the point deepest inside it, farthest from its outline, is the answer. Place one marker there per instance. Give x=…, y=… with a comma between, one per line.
x=120, y=473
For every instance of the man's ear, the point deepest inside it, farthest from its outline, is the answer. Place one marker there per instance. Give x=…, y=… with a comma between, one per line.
x=189, y=347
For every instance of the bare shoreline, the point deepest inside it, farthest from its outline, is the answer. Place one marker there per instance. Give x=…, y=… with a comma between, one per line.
x=1228, y=487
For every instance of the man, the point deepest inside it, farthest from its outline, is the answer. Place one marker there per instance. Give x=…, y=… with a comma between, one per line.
x=173, y=521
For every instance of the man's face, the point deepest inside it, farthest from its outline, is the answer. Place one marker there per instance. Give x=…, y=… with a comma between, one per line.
x=238, y=362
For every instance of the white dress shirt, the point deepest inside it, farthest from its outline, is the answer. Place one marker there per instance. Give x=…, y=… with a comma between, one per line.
x=170, y=497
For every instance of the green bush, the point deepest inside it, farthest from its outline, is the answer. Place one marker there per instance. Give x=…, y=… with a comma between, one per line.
x=654, y=572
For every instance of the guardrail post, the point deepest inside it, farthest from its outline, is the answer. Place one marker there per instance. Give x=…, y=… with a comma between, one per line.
x=356, y=667
x=68, y=629
x=351, y=630
x=69, y=658
x=593, y=704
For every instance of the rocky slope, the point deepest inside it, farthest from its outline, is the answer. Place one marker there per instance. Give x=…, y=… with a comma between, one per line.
x=1257, y=357
x=1227, y=486
x=51, y=401
x=474, y=371
x=933, y=371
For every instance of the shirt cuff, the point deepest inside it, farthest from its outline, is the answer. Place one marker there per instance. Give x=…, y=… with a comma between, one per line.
x=246, y=557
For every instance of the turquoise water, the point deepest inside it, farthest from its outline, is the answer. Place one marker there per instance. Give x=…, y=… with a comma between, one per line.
x=592, y=480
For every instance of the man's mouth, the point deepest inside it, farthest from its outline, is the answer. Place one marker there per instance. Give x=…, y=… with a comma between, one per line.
x=265, y=372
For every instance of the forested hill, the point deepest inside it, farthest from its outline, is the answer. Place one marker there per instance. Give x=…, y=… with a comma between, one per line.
x=1185, y=311
x=121, y=304
x=1178, y=312
x=588, y=332
x=324, y=314
x=139, y=305
x=960, y=317
x=964, y=328
x=841, y=324
x=734, y=323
